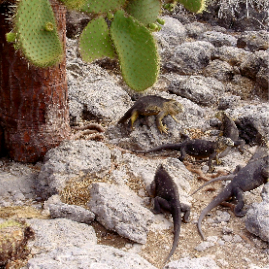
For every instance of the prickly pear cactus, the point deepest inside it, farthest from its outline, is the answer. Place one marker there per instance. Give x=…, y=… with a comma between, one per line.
x=137, y=51
x=95, y=41
x=196, y=6
x=36, y=32
x=94, y=6
x=13, y=239
x=145, y=11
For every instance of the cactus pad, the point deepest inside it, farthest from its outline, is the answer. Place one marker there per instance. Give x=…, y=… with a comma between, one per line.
x=101, y=6
x=37, y=35
x=145, y=11
x=196, y=6
x=137, y=51
x=95, y=42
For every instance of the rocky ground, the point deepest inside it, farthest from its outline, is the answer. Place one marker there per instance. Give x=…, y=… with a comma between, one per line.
x=87, y=202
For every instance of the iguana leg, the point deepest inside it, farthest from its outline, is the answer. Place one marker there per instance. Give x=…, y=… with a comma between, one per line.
x=134, y=118
x=159, y=204
x=186, y=210
x=238, y=210
x=173, y=116
x=240, y=145
x=161, y=127
x=211, y=158
x=182, y=154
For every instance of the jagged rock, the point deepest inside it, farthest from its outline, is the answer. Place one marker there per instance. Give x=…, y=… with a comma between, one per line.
x=90, y=256
x=265, y=193
x=69, y=160
x=190, y=57
x=92, y=92
x=241, y=86
x=250, y=120
x=253, y=64
x=195, y=29
x=231, y=55
x=60, y=233
x=257, y=219
x=17, y=188
x=254, y=40
x=218, y=39
x=172, y=33
x=192, y=263
x=220, y=70
x=58, y=210
x=227, y=102
x=75, y=22
x=120, y=210
x=198, y=89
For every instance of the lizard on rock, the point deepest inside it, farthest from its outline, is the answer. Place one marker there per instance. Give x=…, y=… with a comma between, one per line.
x=230, y=130
x=153, y=105
x=198, y=148
x=166, y=197
x=246, y=178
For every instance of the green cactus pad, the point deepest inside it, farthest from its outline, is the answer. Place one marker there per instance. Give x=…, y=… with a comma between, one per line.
x=74, y=4
x=145, y=11
x=101, y=6
x=41, y=47
x=196, y=6
x=95, y=42
x=137, y=51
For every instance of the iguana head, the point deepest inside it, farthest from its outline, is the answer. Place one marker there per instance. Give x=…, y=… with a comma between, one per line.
x=175, y=107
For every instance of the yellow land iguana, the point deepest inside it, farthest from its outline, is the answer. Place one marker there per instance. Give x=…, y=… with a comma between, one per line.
x=153, y=105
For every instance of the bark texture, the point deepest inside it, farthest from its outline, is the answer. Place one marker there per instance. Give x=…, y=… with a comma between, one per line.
x=34, y=113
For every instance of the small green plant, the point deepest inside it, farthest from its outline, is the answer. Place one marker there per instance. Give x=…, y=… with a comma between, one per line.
x=126, y=37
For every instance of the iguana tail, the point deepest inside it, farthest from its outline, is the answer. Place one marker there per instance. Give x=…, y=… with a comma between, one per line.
x=227, y=177
x=126, y=116
x=222, y=196
x=165, y=146
x=176, y=213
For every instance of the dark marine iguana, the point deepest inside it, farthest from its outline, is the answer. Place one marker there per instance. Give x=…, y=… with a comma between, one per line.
x=166, y=197
x=229, y=129
x=254, y=174
x=198, y=148
x=153, y=105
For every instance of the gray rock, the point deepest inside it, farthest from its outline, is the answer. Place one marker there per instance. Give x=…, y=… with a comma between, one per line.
x=218, y=39
x=241, y=86
x=57, y=233
x=195, y=29
x=190, y=57
x=69, y=160
x=172, y=33
x=92, y=92
x=253, y=64
x=72, y=212
x=120, y=210
x=198, y=89
x=16, y=187
x=204, y=245
x=253, y=40
x=228, y=102
x=257, y=219
x=192, y=263
x=231, y=55
x=90, y=256
x=220, y=70
x=252, y=119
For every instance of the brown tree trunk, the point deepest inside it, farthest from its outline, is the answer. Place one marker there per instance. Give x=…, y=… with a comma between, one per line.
x=34, y=113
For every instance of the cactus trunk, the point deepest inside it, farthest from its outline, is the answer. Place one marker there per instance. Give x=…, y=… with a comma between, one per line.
x=33, y=102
